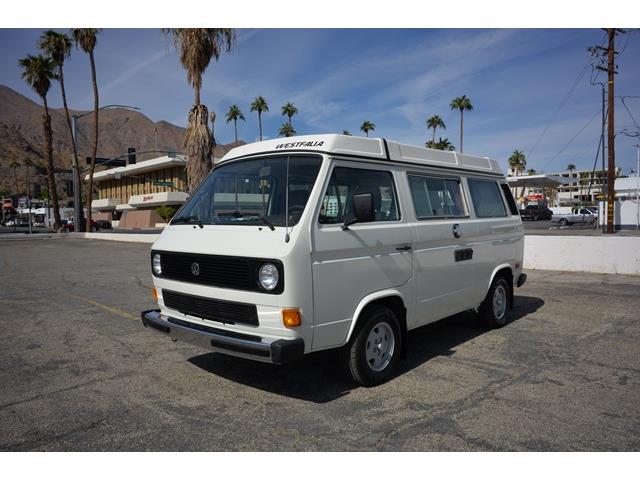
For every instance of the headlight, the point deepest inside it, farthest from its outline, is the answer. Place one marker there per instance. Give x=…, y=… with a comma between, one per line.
x=157, y=268
x=268, y=276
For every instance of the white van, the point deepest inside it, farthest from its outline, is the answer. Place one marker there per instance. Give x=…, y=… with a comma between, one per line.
x=292, y=246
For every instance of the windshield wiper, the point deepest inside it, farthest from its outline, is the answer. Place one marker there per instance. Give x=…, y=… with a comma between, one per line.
x=269, y=224
x=188, y=219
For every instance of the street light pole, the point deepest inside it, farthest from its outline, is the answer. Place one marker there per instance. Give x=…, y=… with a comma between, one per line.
x=76, y=176
x=76, y=167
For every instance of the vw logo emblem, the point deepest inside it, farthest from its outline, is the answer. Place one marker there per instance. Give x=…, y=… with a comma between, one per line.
x=195, y=269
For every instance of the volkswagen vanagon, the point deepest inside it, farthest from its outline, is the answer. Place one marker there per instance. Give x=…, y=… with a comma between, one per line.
x=292, y=246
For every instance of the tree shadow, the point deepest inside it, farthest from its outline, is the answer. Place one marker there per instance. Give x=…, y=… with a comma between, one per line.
x=318, y=377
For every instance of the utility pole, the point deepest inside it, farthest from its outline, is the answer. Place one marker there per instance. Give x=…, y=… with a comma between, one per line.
x=638, y=188
x=597, y=53
x=611, y=71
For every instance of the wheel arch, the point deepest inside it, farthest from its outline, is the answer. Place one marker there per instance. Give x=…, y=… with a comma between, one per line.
x=506, y=270
x=391, y=298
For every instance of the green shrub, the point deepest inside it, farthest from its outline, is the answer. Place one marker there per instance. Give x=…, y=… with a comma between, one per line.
x=166, y=212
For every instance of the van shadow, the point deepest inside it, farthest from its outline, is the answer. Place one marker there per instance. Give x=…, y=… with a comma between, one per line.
x=318, y=377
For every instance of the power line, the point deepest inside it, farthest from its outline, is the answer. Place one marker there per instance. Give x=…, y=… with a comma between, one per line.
x=575, y=136
x=562, y=104
x=629, y=112
x=567, y=96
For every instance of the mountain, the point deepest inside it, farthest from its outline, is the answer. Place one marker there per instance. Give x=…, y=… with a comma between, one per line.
x=119, y=128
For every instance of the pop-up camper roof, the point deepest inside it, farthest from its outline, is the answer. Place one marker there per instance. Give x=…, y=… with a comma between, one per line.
x=373, y=148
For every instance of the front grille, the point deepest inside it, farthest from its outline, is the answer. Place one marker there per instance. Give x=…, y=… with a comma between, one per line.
x=239, y=273
x=211, y=309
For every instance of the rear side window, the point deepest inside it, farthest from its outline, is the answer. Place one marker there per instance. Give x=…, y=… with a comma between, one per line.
x=510, y=201
x=435, y=197
x=337, y=205
x=486, y=198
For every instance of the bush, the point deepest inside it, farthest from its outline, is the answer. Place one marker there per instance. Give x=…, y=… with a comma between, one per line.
x=166, y=212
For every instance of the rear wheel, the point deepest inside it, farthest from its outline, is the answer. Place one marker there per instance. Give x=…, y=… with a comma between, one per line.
x=564, y=222
x=373, y=353
x=494, y=308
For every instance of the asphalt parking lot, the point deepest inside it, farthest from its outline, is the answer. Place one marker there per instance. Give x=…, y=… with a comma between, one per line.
x=79, y=372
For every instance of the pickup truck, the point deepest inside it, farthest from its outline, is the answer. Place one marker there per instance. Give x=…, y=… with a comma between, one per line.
x=577, y=215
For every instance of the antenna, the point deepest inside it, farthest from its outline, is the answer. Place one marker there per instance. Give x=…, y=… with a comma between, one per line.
x=286, y=205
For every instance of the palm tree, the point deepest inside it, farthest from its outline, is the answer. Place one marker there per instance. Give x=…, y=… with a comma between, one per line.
x=517, y=162
x=38, y=71
x=260, y=105
x=435, y=122
x=367, y=127
x=441, y=144
x=461, y=103
x=286, y=130
x=234, y=114
x=346, y=132
x=27, y=162
x=58, y=46
x=572, y=168
x=197, y=46
x=14, y=166
x=289, y=109
x=86, y=39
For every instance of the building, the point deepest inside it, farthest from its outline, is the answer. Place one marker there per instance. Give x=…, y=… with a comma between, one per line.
x=581, y=187
x=128, y=196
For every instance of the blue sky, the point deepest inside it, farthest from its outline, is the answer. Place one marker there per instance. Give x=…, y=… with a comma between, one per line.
x=395, y=78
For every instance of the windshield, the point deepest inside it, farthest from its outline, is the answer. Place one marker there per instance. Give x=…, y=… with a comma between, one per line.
x=253, y=192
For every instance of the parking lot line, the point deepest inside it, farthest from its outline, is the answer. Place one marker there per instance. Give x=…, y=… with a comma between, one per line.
x=107, y=308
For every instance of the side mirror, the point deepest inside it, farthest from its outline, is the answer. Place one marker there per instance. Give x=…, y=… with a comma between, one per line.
x=362, y=209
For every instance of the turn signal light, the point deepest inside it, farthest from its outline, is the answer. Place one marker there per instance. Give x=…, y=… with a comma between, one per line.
x=155, y=294
x=291, y=317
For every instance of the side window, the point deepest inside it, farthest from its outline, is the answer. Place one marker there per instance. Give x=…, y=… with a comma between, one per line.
x=436, y=197
x=486, y=198
x=346, y=182
x=513, y=208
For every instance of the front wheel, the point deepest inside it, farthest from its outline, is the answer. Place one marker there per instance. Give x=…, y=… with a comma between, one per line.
x=494, y=308
x=372, y=355
x=564, y=222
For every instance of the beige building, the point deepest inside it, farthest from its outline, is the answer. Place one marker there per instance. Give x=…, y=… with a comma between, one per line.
x=128, y=196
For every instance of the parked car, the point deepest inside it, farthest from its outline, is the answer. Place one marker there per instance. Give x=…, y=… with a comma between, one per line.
x=535, y=213
x=577, y=215
x=103, y=224
x=68, y=226
x=18, y=222
x=293, y=246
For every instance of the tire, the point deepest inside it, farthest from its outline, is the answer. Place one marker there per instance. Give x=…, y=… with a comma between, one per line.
x=495, y=307
x=65, y=230
x=534, y=218
x=366, y=363
x=564, y=222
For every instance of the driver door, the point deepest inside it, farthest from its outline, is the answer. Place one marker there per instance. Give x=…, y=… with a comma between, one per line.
x=366, y=258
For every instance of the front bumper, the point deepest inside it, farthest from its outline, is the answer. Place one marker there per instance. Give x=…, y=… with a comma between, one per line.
x=241, y=345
